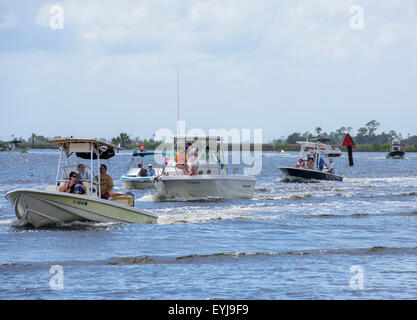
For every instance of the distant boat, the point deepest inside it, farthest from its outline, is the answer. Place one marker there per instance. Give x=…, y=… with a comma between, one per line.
x=280, y=151
x=131, y=179
x=396, y=151
x=13, y=146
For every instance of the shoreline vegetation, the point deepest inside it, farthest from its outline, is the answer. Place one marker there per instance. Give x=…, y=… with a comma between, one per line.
x=366, y=140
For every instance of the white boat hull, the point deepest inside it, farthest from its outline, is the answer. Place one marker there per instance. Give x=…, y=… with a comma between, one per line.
x=41, y=208
x=137, y=183
x=213, y=186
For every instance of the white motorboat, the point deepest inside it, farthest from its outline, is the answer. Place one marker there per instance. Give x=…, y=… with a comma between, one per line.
x=302, y=172
x=211, y=179
x=45, y=207
x=325, y=149
x=132, y=180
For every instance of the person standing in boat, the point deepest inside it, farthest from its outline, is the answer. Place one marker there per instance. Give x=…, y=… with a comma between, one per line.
x=106, y=182
x=321, y=163
x=194, y=162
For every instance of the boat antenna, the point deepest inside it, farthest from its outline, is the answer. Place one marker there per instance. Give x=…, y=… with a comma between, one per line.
x=178, y=94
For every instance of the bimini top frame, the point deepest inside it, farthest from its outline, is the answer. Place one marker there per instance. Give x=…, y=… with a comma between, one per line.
x=93, y=149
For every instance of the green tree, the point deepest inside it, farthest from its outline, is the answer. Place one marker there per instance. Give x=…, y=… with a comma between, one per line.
x=123, y=139
x=372, y=126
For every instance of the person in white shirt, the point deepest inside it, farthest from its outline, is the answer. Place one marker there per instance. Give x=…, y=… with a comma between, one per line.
x=194, y=162
x=330, y=167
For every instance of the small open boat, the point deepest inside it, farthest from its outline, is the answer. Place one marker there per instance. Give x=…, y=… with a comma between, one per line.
x=51, y=206
x=314, y=171
x=132, y=180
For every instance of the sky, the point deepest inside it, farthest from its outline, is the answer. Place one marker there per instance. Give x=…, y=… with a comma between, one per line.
x=97, y=68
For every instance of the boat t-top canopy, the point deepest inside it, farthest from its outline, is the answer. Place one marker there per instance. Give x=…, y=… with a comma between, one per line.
x=142, y=154
x=192, y=139
x=396, y=141
x=86, y=148
x=311, y=144
x=319, y=139
x=206, y=143
x=90, y=149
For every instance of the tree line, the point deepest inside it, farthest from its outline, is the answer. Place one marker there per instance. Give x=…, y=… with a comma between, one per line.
x=365, y=138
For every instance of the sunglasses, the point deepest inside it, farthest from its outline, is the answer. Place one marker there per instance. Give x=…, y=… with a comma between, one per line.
x=73, y=176
x=102, y=168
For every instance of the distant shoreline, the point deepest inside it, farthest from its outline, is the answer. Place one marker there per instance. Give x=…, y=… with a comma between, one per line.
x=265, y=147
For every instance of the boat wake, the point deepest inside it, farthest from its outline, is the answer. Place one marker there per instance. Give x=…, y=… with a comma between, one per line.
x=76, y=225
x=160, y=197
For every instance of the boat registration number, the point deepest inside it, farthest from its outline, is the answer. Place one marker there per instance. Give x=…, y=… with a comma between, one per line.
x=81, y=202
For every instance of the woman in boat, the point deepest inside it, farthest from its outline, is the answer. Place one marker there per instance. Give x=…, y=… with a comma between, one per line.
x=300, y=164
x=181, y=161
x=310, y=164
x=73, y=185
x=194, y=162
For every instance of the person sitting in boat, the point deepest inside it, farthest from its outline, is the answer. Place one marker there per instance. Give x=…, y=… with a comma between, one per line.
x=331, y=168
x=82, y=174
x=106, y=183
x=194, y=162
x=300, y=163
x=310, y=163
x=142, y=171
x=181, y=161
x=151, y=172
x=73, y=185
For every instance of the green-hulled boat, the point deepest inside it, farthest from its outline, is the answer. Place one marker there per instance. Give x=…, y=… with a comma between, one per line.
x=396, y=151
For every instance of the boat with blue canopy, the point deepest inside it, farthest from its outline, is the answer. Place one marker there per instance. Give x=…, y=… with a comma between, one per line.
x=138, y=177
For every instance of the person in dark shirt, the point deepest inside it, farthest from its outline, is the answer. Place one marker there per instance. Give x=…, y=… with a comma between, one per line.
x=142, y=171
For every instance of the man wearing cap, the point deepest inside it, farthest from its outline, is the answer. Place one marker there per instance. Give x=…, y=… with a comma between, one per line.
x=151, y=173
x=331, y=168
x=82, y=174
